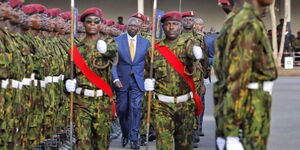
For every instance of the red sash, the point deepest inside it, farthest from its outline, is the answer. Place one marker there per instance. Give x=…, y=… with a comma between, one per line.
x=93, y=77
x=179, y=67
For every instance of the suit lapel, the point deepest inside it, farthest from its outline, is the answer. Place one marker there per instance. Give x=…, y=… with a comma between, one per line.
x=126, y=48
x=137, y=50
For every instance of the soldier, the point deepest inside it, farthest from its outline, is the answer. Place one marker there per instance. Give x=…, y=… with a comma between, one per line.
x=93, y=106
x=220, y=59
x=173, y=107
x=200, y=74
x=145, y=28
x=251, y=70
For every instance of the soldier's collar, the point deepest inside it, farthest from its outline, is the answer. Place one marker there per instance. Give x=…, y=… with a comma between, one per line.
x=247, y=5
x=180, y=42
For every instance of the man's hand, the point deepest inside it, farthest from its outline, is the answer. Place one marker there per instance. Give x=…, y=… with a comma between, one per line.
x=118, y=83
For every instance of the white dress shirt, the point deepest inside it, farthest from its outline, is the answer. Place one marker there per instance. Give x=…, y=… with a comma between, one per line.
x=129, y=40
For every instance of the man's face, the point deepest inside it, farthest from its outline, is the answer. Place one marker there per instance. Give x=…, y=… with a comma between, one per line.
x=188, y=22
x=265, y=3
x=33, y=21
x=92, y=25
x=172, y=29
x=145, y=27
x=5, y=10
x=199, y=26
x=17, y=16
x=133, y=27
x=227, y=9
x=59, y=24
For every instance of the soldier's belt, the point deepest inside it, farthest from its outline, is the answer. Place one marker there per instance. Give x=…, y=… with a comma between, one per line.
x=173, y=99
x=265, y=86
x=89, y=93
x=54, y=79
x=7, y=83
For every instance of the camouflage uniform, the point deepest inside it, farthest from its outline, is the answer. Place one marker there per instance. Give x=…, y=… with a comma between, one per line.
x=296, y=44
x=13, y=104
x=249, y=60
x=92, y=115
x=173, y=121
x=221, y=70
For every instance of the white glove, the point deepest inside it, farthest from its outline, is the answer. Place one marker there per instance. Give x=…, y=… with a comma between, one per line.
x=101, y=46
x=233, y=143
x=220, y=143
x=71, y=85
x=268, y=86
x=197, y=52
x=149, y=84
x=206, y=82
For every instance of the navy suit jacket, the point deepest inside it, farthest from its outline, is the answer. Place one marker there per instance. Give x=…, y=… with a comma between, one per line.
x=125, y=66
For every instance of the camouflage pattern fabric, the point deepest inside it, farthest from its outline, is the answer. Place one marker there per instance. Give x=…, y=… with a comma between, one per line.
x=169, y=124
x=220, y=70
x=249, y=59
x=93, y=115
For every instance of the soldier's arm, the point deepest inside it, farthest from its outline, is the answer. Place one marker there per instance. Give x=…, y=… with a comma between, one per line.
x=241, y=45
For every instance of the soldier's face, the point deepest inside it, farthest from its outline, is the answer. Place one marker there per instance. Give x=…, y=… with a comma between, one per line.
x=17, y=16
x=133, y=27
x=265, y=3
x=198, y=26
x=5, y=11
x=92, y=25
x=188, y=22
x=59, y=23
x=145, y=27
x=34, y=21
x=172, y=29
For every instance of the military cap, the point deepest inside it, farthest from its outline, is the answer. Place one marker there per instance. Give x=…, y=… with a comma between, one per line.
x=188, y=14
x=138, y=15
x=66, y=15
x=53, y=12
x=109, y=22
x=103, y=20
x=28, y=9
x=39, y=8
x=171, y=15
x=123, y=27
x=117, y=25
x=145, y=18
x=15, y=3
x=91, y=11
x=227, y=2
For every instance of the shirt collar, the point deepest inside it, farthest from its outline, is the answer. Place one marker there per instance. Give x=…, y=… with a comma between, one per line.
x=129, y=37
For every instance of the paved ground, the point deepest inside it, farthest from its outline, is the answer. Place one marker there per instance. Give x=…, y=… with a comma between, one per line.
x=285, y=130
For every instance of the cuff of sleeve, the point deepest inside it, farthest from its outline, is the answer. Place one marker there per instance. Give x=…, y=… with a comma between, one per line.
x=116, y=80
x=231, y=131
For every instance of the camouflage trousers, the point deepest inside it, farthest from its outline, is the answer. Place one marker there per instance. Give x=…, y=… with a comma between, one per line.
x=143, y=130
x=92, y=120
x=12, y=109
x=255, y=122
x=173, y=124
x=218, y=94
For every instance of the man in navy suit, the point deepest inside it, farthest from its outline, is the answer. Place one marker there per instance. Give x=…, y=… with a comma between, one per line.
x=128, y=79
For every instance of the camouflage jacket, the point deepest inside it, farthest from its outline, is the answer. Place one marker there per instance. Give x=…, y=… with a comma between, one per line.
x=167, y=80
x=249, y=59
x=220, y=45
x=99, y=63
